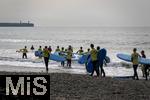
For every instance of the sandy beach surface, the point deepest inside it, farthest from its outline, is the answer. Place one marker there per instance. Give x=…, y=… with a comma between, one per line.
x=65, y=86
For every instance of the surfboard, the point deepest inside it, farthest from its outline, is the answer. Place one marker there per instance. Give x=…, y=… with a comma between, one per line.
x=89, y=66
x=127, y=57
x=101, y=56
x=54, y=56
x=57, y=58
x=83, y=59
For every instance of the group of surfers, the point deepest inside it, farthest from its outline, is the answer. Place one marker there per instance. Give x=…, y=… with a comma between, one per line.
x=94, y=52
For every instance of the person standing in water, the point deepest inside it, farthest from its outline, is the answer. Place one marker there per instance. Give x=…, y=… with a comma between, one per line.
x=63, y=55
x=69, y=56
x=40, y=51
x=32, y=48
x=24, y=51
x=80, y=51
x=144, y=66
x=100, y=63
x=57, y=49
x=46, y=57
x=135, y=62
x=93, y=54
x=50, y=49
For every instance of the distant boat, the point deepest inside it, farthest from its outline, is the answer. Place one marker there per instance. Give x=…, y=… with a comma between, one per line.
x=17, y=24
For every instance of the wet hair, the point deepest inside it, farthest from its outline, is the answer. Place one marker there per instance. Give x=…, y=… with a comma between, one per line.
x=62, y=48
x=45, y=46
x=92, y=45
x=57, y=46
x=25, y=46
x=88, y=49
x=80, y=47
x=142, y=51
x=40, y=46
x=98, y=48
x=134, y=49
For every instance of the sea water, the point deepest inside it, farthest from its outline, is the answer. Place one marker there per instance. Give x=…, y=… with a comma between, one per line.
x=114, y=39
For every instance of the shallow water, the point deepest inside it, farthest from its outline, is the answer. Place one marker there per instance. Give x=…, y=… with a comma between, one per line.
x=115, y=40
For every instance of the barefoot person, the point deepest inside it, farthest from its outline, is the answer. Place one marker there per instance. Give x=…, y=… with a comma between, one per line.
x=24, y=52
x=135, y=62
x=144, y=66
x=93, y=54
x=46, y=57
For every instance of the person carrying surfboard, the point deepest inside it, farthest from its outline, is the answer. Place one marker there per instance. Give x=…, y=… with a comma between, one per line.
x=24, y=52
x=100, y=63
x=62, y=53
x=80, y=51
x=40, y=51
x=50, y=49
x=93, y=54
x=46, y=55
x=135, y=62
x=57, y=49
x=144, y=66
x=69, y=56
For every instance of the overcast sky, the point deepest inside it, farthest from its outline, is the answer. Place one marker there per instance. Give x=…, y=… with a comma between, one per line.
x=77, y=12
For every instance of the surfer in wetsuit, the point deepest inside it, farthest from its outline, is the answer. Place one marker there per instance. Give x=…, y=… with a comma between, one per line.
x=135, y=62
x=69, y=56
x=24, y=51
x=144, y=66
x=57, y=49
x=50, y=49
x=46, y=55
x=100, y=63
x=62, y=54
x=93, y=54
x=80, y=51
x=40, y=50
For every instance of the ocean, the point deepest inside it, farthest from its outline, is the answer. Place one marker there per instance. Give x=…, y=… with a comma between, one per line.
x=114, y=39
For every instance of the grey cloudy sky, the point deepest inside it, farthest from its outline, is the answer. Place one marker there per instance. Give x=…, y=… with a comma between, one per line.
x=77, y=12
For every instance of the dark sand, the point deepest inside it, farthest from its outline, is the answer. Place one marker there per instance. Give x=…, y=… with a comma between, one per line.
x=84, y=87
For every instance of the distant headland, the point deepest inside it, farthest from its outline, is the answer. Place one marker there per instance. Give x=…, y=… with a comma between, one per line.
x=21, y=24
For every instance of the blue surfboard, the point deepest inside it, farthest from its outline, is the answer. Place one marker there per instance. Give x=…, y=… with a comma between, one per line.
x=38, y=53
x=89, y=66
x=57, y=58
x=101, y=56
x=83, y=59
x=54, y=56
x=127, y=57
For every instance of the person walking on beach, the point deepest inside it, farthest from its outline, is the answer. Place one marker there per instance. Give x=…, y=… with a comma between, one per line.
x=93, y=54
x=69, y=56
x=46, y=57
x=135, y=62
x=144, y=66
x=100, y=64
x=24, y=52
